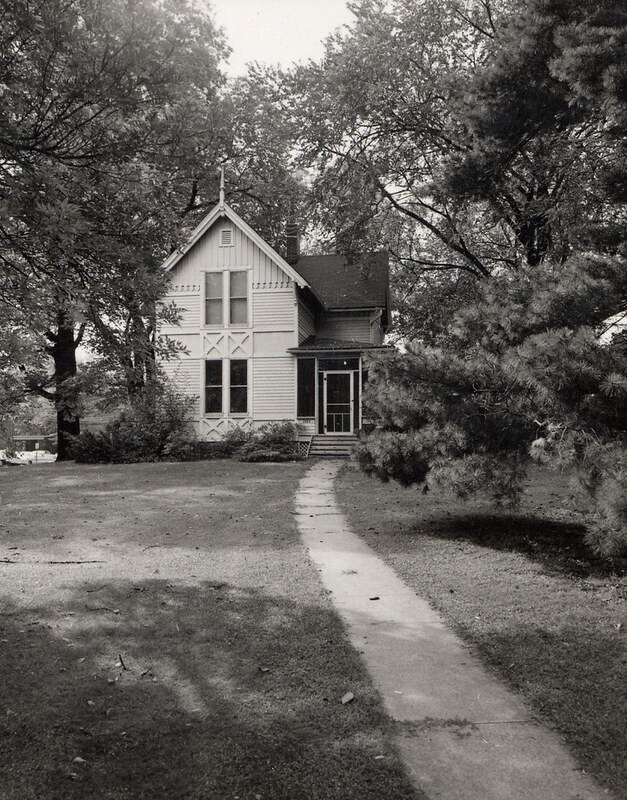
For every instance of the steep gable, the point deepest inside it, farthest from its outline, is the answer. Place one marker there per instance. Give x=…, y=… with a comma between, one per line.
x=206, y=249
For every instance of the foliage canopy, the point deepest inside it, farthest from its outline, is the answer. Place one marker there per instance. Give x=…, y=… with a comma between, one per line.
x=484, y=143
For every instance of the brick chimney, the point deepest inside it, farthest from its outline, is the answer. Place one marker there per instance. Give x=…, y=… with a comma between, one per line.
x=293, y=243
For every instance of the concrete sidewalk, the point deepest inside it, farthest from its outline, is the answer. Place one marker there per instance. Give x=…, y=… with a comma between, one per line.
x=462, y=734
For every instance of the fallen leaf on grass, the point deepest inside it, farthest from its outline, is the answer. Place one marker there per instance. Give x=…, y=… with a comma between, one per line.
x=348, y=698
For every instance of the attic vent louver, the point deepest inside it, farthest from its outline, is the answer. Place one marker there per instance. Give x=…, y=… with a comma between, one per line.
x=226, y=237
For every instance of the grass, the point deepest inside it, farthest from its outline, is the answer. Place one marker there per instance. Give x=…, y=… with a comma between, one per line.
x=194, y=653
x=524, y=591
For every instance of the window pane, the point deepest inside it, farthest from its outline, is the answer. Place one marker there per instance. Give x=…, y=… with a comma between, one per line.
x=239, y=312
x=213, y=285
x=213, y=312
x=213, y=386
x=239, y=284
x=213, y=373
x=239, y=399
x=239, y=372
x=213, y=400
x=306, y=368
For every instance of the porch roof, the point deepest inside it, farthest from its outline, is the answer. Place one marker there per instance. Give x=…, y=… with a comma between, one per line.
x=317, y=345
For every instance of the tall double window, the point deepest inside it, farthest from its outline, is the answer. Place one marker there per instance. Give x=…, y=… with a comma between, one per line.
x=226, y=377
x=238, y=386
x=213, y=387
x=214, y=288
x=226, y=298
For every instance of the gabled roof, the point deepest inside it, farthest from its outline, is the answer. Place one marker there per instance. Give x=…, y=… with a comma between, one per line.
x=224, y=210
x=360, y=283
x=333, y=280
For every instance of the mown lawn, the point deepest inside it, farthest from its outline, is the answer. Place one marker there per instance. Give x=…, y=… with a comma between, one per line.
x=195, y=655
x=523, y=590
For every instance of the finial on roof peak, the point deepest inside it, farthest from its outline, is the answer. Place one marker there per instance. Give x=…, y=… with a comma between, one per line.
x=221, y=187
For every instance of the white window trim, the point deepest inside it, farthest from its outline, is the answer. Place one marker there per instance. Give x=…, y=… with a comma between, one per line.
x=226, y=390
x=227, y=316
x=205, y=413
x=238, y=414
x=226, y=299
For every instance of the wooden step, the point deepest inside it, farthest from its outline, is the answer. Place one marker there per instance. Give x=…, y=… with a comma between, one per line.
x=338, y=446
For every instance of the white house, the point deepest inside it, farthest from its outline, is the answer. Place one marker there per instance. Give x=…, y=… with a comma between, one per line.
x=272, y=338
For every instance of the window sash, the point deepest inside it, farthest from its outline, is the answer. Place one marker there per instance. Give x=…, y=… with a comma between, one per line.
x=239, y=283
x=238, y=297
x=239, y=311
x=214, y=314
x=213, y=386
x=215, y=305
x=306, y=387
x=238, y=375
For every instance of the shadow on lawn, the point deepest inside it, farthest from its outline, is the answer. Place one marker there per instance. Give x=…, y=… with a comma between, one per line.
x=582, y=703
x=218, y=693
x=558, y=546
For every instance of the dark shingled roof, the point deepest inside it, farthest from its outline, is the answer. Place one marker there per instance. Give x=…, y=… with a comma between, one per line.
x=362, y=283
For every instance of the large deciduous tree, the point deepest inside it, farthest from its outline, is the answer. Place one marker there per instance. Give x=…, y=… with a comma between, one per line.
x=107, y=115
x=483, y=142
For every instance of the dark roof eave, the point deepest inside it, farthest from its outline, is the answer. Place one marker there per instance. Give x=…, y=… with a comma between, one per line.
x=316, y=350
x=373, y=307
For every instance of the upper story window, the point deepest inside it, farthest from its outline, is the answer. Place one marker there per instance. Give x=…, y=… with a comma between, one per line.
x=214, y=313
x=226, y=237
x=238, y=291
x=226, y=298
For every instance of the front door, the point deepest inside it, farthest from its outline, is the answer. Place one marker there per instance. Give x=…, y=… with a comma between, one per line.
x=338, y=402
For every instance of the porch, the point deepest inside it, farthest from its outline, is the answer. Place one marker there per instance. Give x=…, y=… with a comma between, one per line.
x=330, y=380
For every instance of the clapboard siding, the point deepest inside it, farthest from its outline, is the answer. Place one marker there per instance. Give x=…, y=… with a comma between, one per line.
x=306, y=323
x=274, y=388
x=188, y=306
x=185, y=374
x=308, y=427
x=208, y=254
x=355, y=329
x=274, y=310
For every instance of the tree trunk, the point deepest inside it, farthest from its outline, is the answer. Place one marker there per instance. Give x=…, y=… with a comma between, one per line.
x=66, y=396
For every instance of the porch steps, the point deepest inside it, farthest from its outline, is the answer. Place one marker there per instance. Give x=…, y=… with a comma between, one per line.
x=339, y=446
